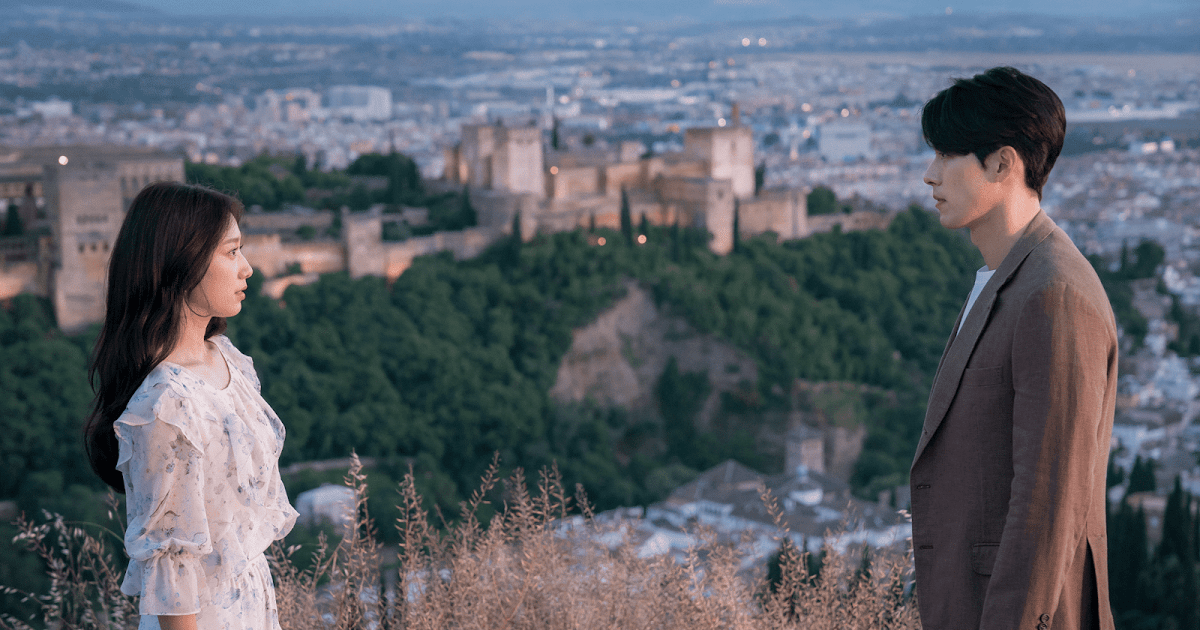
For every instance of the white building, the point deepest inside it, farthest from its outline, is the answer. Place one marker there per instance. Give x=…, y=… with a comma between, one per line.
x=360, y=102
x=840, y=141
x=326, y=504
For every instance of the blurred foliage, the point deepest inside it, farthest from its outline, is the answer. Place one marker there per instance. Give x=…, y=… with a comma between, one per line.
x=394, y=180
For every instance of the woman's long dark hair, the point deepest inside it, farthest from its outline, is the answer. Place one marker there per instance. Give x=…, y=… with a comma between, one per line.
x=162, y=252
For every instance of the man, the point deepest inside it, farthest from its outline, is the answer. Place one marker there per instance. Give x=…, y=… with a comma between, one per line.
x=1008, y=481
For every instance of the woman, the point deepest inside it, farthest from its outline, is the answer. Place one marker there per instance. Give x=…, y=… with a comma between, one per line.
x=179, y=425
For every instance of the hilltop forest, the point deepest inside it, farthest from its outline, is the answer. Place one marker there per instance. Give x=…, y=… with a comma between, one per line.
x=453, y=362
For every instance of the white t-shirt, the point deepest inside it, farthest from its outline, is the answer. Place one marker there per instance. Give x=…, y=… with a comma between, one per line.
x=982, y=275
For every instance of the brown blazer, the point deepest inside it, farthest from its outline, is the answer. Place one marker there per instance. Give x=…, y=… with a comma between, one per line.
x=1008, y=482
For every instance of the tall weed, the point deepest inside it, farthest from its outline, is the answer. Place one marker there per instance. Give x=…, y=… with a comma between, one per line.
x=540, y=562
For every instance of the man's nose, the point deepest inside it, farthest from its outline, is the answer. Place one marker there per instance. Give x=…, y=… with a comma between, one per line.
x=930, y=176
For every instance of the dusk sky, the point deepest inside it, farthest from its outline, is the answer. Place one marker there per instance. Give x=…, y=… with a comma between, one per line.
x=664, y=9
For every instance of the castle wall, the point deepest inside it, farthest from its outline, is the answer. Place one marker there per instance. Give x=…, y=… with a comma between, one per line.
x=462, y=244
x=853, y=222
x=268, y=254
x=134, y=175
x=626, y=175
x=574, y=182
x=286, y=221
x=783, y=212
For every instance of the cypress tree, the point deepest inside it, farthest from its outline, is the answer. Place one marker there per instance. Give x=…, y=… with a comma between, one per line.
x=12, y=222
x=1177, y=567
x=626, y=218
x=1126, y=556
x=1116, y=474
x=466, y=212
x=736, y=212
x=1177, y=525
x=1141, y=477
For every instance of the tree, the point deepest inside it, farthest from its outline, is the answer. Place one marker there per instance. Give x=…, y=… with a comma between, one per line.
x=466, y=212
x=822, y=200
x=626, y=218
x=1141, y=477
x=736, y=227
x=1177, y=526
x=1126, y=556
x=12, y=223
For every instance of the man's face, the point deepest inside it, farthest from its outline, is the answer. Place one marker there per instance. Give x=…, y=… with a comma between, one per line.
x=964, y=193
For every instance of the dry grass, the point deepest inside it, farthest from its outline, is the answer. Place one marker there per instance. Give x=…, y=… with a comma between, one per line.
x=531, y=566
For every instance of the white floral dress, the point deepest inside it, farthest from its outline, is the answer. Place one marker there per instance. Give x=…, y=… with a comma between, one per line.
x=203, y=495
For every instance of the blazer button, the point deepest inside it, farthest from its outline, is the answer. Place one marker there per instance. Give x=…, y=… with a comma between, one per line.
x=1044, y=618
x=1042, y=626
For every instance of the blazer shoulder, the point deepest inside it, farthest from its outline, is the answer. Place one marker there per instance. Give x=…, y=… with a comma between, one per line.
x=1057, y=262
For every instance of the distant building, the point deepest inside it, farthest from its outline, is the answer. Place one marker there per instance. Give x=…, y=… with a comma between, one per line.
x=510, y=172
x=327, y=504
x=51, y=108
x=840, y=141
x=295, y=105
x=360, y=102
x=86, y=191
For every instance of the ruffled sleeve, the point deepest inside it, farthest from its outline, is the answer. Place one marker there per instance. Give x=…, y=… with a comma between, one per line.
x=160, y=457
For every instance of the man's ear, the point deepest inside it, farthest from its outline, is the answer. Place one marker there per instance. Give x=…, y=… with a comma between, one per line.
x=1004, y=163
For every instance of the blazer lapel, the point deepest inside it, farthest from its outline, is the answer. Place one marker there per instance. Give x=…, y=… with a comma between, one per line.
x=961, y=345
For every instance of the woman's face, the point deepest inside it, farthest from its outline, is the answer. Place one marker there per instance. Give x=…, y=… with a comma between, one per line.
x=221, y=291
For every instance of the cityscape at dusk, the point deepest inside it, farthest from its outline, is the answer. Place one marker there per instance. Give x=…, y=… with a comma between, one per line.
x=659, y=244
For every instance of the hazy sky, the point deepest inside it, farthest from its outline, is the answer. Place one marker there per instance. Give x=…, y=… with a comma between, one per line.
x=661, y=9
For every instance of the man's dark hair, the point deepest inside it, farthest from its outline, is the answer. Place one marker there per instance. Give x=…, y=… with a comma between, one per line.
x=1001, y=107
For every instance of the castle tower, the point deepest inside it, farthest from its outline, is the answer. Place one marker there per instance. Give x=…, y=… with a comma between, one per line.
x=728, y=152
x=85, y=199
x=503, y=159
x=475, y=155
x=517, y=165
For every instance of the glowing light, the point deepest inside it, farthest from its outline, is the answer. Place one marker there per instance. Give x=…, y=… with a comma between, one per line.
x=554, y=170
x=675, y=83
x=807, y=107
x=641, y=239
x=720, y=122
x=762, y=41
x=745, y=41
x=845, y=113
x=564, y=99
x=62, y=159
x=949, y=10
x=600, y=241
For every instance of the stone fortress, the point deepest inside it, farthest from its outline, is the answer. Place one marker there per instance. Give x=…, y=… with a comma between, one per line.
x=72, y=200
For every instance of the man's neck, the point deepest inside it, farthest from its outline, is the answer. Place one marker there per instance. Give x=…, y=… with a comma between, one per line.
x=996, y=235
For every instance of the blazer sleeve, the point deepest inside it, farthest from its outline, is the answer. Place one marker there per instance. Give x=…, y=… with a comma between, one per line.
x=1061, y=356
